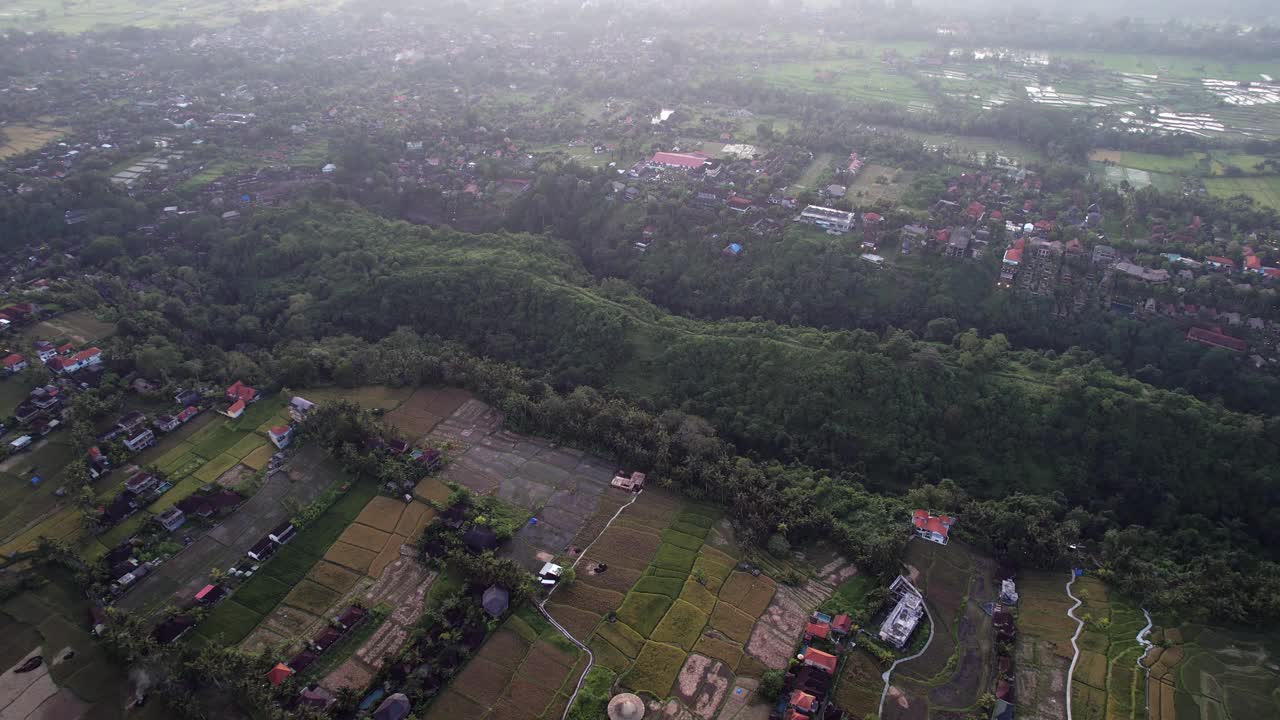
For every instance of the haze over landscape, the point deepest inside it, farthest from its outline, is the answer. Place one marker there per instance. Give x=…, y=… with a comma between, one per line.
x=614, y=359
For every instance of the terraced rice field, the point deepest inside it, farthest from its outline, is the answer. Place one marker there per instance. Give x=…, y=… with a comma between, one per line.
x=1107, y=683
x=1264, y=190
x=1197, y=672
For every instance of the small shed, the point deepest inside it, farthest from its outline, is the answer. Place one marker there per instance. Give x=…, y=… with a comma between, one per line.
x=395, y=707
x=496, y=600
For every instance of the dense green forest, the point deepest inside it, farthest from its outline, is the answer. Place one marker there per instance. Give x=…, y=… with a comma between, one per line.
x=1040, y=449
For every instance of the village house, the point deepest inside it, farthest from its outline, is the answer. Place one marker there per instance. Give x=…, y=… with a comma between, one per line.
x=169, y=423
x=901, y=622
x=300, y=408
x=14, y=363
x=679, y=161
x=280, y=436
x=829, y=219
x=934, y=528
x=630, y=483
x=826, y=662
x=238, y=391
x=75, y=363
x=171, y=519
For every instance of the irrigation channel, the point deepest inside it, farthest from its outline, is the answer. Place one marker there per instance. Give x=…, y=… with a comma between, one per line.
x=591, y=659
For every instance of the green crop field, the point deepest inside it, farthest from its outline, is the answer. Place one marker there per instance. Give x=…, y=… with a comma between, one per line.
x=1264, y=190
x=82, y=15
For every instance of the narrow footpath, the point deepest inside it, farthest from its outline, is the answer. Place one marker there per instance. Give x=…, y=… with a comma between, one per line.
x=591, y=659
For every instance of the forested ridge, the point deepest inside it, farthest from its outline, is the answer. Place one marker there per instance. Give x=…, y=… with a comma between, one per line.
x=1042, y=450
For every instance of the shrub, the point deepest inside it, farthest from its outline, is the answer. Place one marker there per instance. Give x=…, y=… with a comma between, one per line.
x=771, y=685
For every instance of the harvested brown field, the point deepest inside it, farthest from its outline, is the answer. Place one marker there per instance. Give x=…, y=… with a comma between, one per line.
x=606, y=506
x=382, y=513
x=413, y=425
x=624, y=547
x=334, y=577
x=617, y=579
x=311, y=597
x=451, y=705
x=557, y=707
x=350, y=674
x=350, y=556
x=781, y=625
x=702, y=685
x=436, y=401
x=508, y=710
x=415, y=517
x=730, y=653
x=365, y=537
x=623, y=637
x=735, y=588
x=261, y=638
x=531, y=695
x=504, y=647
x=858, y=693
x=389, y=554
x=579, y=623
x=696, y=594
x=482, y=681
x=592, y=599
x=289, y=622
x=544, y=652
x=758, y=597
x=732, y=622
x=431, y=490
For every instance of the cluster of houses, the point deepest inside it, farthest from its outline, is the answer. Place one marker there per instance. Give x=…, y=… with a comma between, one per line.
x=339, y=627
x=1004, y=624
x=808, y=684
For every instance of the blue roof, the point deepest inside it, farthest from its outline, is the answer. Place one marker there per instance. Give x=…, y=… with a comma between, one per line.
x=734, y=248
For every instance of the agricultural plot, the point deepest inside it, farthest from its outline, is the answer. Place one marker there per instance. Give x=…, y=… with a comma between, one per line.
x=1263, y=190
x=878, y=182
x=522, y=671
x=19, y=139
x=1197, y=671
x=45, y=15
x=1043, y=652
x=955, y=669
x=49, y=621
x=1106, y=683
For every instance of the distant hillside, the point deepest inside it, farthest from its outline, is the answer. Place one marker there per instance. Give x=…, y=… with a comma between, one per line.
x=993, y=420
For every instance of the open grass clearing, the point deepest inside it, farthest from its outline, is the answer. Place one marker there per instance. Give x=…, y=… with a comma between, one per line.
x=18, y=139
x=311, y=597
x=1263, y=190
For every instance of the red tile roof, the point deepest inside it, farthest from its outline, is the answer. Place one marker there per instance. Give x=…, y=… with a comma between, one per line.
x=678, y=159
x=1213, y=338
x=14, y=359
x=239, y=390
x=817, y=658
x=802, y=700
x=817, y=630
x=940, y=524
x=236, y=408
x=279, y=673
x=842, y=623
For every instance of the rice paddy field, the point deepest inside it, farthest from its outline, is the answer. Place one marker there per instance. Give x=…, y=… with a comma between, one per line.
x=1107, y=683
x=525, y=669
x=1264, y=190
x=82, y=15
x=19, y=139
x=292, y=577
x=1198, y=672
x=77, y=677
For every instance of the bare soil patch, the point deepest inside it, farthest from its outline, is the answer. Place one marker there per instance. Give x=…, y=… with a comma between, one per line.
x=702, y=685
x=482, y=681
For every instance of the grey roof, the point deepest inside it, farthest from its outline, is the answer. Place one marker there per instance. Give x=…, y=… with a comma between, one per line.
x=395, y=707
x=495, y=600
